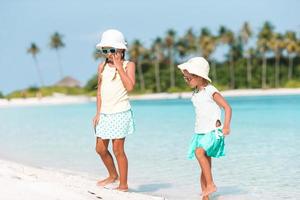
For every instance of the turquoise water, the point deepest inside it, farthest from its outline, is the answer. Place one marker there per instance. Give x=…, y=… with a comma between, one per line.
x=263, y=150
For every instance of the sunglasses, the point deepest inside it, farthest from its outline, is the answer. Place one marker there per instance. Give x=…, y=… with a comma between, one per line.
x=106, y=51
x=188, y=78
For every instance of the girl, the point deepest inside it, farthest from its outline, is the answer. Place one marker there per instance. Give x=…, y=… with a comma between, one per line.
x=114, y=118
x=208, y=140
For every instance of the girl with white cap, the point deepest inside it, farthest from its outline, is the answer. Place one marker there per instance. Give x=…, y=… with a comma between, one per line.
x=114, y=118
x=208, y=140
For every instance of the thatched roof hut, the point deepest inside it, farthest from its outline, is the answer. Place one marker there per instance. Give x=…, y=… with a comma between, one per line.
x=68, y=82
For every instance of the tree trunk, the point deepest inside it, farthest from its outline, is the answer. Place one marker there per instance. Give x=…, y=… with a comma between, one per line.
x=157, y=78
x=214, y=71
x=231, y=71
x=264, y=72
x=59, y=65
x=141, y=76
x=39, y=71
x=172, y=70
x=290, y=70
x=249, y=72
x=277, y=70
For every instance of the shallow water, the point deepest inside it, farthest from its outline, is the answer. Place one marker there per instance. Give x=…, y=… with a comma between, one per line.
x=262, y=160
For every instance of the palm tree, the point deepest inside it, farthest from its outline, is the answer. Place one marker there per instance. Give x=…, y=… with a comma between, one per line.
x=246, y=34
x=226, y=36
x=277, y=46
x=208, y=44
x=190, y=41
x=249, y=54
x=291, y=48
x=170, y=43
x=158, y=56
x=34, y=50
x=264, y=37
x=235, y=53
x=56, y=43
x=182, y=48
x=136, y=52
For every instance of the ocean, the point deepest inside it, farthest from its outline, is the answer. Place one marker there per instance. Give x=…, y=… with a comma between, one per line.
x=262, y=152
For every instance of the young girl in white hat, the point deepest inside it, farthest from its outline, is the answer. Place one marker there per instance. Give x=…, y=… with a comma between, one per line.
x=114, y=118
x=208, y=140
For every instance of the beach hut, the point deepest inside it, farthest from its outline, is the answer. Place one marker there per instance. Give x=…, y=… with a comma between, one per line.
x=68, y=82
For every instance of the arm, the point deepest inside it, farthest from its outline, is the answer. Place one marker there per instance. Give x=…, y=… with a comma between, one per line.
x=98, y=97
x=100, y=69
x=219, y=99
x=128, y=76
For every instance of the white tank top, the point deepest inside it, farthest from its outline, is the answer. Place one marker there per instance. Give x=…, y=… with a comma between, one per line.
x=114, y=96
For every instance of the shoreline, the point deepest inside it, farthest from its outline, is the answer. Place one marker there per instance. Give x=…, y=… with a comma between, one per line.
x=61, y=99
x=30, y=183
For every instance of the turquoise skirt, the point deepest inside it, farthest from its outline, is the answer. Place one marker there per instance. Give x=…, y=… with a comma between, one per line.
x=212, y=143
x=116, y=125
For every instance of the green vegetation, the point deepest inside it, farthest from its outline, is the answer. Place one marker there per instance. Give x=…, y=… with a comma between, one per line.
x=266, y=59
x=45, y=91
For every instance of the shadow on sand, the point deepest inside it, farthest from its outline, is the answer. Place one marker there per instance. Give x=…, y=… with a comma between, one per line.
x=230, y=192
x=151, y=187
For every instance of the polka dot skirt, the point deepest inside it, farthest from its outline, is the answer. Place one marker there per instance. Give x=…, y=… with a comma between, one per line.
x=115, y=126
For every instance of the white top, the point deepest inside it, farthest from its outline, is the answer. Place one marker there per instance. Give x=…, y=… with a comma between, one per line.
x=114, y=96
x=207, y=110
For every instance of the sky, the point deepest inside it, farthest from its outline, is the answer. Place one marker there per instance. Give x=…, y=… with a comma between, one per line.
x=82, y=22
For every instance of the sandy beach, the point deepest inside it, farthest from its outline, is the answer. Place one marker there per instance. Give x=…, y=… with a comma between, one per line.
x=59, y=99
x=227, y=93
x=23, y=182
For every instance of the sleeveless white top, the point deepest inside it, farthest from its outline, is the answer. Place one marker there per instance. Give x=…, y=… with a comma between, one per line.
x=206, y=109
x=114, y=96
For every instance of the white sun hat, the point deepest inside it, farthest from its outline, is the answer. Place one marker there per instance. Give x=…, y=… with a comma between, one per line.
x=112, y=38
x=198, y=66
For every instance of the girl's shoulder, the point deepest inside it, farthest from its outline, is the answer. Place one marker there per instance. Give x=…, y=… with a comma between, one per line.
x=211, y=87
x=129, y=64
x=100, y=67
x=211, y=90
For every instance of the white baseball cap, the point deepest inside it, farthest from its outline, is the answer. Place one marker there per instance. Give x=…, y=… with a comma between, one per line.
x=198, y=66
x=112, y=38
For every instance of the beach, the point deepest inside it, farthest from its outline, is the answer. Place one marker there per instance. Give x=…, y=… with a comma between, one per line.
x=23, y=182
x=59, y=99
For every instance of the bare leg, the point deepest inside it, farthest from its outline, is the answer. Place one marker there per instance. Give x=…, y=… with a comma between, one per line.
x=203, y=181
x=102, y=150
x=205, y=164
x=118, y=147
x=203, y=186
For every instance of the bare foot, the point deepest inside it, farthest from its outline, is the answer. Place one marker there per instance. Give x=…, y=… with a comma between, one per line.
x=108, y=180
x=209, y=189
x=205, y=198
x=122, y=188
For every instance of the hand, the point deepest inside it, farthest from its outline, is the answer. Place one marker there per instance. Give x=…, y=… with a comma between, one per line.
x=96, y=120
x=117, y=59
x=226, y=131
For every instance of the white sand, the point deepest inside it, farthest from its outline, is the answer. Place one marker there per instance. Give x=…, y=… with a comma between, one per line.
x=27, y=183
x=227, y=93
x=58, y=99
